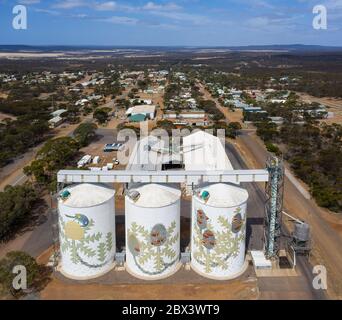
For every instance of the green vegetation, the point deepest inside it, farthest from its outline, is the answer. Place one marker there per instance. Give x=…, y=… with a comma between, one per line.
x=315, y=154
x=38, y=276
x=17, y=136
x=166, y=125
x=85, y=133
x=101, y=114
x=55, y=155
x=209, y=107
x=272, y=148
x=16, y=206
x=231, y=129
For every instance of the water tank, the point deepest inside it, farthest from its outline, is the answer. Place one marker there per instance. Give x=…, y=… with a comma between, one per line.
x=86, y=230
x=152, y=231
x=218, y=231
x=302, y=232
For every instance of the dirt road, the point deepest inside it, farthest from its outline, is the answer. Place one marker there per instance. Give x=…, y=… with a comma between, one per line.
x=231, y=116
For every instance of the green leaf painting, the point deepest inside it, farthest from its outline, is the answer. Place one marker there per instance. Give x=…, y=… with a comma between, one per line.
x=90, y=246
x=225, y=246
x=155, y=246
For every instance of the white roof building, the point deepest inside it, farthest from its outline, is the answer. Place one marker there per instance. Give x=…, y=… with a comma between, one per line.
x=203, y=151
x=149, y=154
x=57, y=113
x=148, y=110
x=200, y=151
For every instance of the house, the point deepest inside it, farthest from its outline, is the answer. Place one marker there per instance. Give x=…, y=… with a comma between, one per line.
x=81, y=102
x=55, y=122
x=198, y=114
x=57, y=113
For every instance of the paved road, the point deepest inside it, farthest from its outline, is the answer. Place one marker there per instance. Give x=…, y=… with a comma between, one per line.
x=272, y=287
x=13, y=174
x=255, y=204
x=256, y=215
x=325, y=238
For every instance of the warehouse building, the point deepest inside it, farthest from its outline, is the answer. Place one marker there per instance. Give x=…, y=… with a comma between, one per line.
x=148, y=111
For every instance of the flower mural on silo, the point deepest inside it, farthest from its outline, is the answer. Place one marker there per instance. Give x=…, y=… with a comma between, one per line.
x=155, y=245
x=84, y=246
x=208, y=239
x=133, y=245
x=158, y=235
x=201, y=219
x=213, y=248
x=237, y=222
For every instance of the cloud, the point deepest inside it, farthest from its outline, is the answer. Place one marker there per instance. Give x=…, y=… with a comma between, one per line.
x=106, y=6
x=273, y=23
x=28, y=2
x=120, y=20
x=70, y=4
x=151, y=6
x=47, y=11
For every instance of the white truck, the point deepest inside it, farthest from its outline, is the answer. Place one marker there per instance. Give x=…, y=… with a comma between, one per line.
x=85, y=160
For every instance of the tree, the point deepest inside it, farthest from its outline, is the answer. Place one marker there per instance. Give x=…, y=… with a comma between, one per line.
x=267, y=130
x=16, y=206
x=166, y=125
x=37, y=275
x=101, y=115
x=84, y=133
x=56, y=154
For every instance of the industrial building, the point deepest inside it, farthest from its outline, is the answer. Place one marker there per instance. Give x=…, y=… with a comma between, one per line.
x=154, y=177
x=141, y=112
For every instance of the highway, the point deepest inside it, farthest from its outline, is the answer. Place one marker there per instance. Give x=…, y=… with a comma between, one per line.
x=249, y=152
x=255, y=204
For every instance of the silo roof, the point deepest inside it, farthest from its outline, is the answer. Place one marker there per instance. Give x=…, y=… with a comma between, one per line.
x=224, y=195
x=87, y=195
x=156, y=196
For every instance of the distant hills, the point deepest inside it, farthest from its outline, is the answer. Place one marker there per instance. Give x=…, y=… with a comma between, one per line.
x=288, y=48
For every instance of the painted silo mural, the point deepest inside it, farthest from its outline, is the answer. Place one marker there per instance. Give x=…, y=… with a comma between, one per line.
x=219, y=231
x=153, y=231
x=86, y=230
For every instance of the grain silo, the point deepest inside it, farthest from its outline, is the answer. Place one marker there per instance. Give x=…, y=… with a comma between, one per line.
x=152, y=231
x=218, y=231
x=86, y=230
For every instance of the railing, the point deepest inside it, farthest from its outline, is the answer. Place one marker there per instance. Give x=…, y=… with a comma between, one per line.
x=171, y=176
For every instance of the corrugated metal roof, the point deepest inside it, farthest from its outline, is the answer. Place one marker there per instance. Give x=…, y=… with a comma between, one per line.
x=204, y=151
x=137, y=117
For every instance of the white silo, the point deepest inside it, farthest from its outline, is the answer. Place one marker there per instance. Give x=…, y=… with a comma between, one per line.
x=86, y=230
x=218, y=231
x=152, y=231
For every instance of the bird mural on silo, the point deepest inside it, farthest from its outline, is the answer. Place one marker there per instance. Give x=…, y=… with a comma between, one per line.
x=80, y=218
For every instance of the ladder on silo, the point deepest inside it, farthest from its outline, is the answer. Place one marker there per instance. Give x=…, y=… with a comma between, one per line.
x=274, y=206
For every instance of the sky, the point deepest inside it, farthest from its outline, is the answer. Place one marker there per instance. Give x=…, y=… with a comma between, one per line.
x=171, y=23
